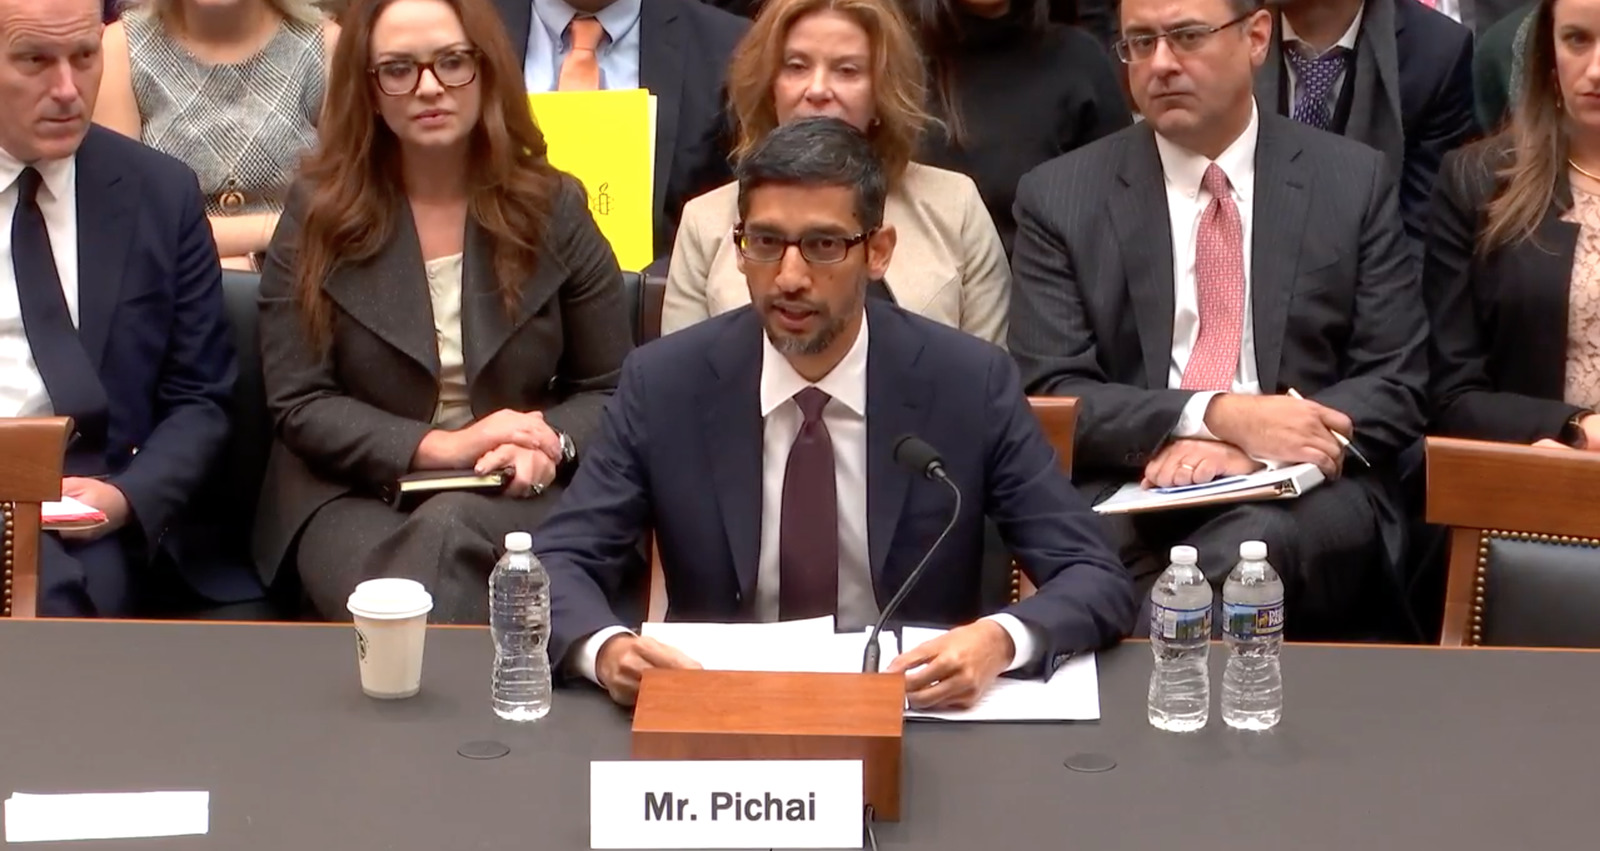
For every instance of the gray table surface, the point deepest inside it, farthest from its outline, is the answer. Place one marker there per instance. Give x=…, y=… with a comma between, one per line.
x=1405, y=748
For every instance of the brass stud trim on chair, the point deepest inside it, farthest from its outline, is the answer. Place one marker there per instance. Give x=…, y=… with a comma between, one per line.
x=10, y=556
x=1481, y=579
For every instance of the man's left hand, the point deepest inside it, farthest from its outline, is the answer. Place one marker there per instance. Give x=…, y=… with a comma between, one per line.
x=96, y=494
x=955, y=669
x=1196, y=462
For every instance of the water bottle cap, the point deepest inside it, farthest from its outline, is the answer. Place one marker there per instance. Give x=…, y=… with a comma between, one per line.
x=1253, y=550
x=1185, y=555
x=519, y=542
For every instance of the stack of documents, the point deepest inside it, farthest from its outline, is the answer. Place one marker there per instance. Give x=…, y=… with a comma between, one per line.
x=1285, y=483
x=1072, y=694
x=68, y=513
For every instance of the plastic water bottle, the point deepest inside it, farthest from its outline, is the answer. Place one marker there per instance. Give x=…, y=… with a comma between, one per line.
x=519, y=620
x=1252, y=615
x=1180, y=639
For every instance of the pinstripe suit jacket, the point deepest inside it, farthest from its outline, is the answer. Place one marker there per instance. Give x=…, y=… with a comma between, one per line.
x=1334, y=295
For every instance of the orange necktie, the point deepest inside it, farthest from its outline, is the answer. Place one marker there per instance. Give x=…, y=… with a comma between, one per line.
x=580, y=71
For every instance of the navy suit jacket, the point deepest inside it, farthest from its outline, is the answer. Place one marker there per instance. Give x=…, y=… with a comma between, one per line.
x=151, y=318
x=680, y=449
x=1411, y=97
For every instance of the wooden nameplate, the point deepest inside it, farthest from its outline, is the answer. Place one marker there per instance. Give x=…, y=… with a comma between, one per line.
x=690, y=715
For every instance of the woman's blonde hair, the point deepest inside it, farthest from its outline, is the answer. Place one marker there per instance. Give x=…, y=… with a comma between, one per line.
x=899, y=82
x=171, y=11
x=1535, y=139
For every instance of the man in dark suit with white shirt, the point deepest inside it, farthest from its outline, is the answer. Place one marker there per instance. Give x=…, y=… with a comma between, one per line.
x=1394, y=74
x=759, y=447
x=678, y=49
x=111, y=307
x=1183, y=276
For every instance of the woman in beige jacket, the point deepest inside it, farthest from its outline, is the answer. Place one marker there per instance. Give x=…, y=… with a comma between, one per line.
x=855, y=60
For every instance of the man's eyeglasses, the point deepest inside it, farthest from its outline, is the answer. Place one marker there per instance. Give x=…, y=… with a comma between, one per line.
x=1183, y=40
x=399, y=77
x=820, y=248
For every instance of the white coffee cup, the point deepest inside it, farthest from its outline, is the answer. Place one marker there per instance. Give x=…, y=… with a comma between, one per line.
x=391, y=618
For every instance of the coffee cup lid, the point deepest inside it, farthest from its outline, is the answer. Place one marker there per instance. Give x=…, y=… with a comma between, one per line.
x=390, y=599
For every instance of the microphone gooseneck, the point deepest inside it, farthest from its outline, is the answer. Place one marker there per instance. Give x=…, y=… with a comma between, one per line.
x=917, y=456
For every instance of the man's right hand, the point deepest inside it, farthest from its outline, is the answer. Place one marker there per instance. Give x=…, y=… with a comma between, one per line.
x=625, y=657
x=1281, y=428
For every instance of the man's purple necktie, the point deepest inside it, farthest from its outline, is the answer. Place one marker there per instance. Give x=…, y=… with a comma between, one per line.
x=808, y=537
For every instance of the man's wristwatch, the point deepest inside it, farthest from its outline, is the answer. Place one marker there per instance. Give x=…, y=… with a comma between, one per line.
x=1572, y=434
x=569, y=458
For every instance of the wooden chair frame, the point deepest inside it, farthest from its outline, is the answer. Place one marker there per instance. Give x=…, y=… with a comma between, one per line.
x=1483, y=491
x=31, y=452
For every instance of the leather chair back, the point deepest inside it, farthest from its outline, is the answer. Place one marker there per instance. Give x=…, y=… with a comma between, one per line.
x=1524, y=543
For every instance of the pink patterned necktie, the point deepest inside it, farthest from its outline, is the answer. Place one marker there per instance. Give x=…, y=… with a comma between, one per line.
x=1219, y=282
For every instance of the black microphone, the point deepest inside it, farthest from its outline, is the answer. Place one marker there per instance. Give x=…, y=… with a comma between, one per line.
x=914, y=454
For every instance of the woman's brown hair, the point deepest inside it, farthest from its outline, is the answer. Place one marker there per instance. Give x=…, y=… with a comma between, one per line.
x=352, y=178
x=899, y=87
x=1535, y=142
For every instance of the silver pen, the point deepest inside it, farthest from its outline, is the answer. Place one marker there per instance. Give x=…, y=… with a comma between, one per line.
x=1343, y=441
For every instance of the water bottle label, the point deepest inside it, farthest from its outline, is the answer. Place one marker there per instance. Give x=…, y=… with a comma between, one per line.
x=1180, y=624
x=1245, y=620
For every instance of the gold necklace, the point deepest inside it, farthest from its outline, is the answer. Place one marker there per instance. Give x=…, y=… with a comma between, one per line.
x=1583, y=171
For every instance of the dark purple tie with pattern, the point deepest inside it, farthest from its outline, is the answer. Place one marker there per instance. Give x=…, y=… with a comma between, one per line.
x=808, y=536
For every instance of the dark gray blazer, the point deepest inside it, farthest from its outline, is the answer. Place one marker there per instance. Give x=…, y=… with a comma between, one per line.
x=350, y=419
x=1410, y=95
x=1334, y=295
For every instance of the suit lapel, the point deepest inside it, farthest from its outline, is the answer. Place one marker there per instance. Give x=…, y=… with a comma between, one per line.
x=106, y=198
x=731, y=425
x=897, y=404
x=518, y=18
x=388, y=294
x=661, y=62
x=485, y=325
x=1282, y=202
x=1375, y=116
x=1144, y=231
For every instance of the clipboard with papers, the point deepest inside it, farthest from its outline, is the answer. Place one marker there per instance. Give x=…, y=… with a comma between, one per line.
x=1283, y=483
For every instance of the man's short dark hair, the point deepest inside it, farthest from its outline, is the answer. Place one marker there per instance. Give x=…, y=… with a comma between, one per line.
x=817, y=152
x=1244, y=7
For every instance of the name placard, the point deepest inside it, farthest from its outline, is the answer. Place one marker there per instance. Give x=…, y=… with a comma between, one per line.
x=649, y=804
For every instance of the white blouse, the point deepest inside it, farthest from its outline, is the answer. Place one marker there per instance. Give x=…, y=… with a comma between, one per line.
x=444, y=290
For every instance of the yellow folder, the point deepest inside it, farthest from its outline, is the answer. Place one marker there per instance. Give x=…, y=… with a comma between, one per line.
x=606, y=140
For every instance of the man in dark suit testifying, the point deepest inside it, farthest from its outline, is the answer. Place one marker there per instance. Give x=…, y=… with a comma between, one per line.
x=1394, y=74
x=759, y=447
x=678, y=49
x=1183, y=276
x=110, y=307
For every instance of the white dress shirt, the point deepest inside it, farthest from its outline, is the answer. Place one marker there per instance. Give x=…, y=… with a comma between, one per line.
x=1292, y=41
x=549, y=43
x=846, y=419
x=22, y=391
x=1451, y=8
x=1186, y=203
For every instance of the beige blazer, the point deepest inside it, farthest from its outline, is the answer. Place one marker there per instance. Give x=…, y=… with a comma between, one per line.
x=948, y=263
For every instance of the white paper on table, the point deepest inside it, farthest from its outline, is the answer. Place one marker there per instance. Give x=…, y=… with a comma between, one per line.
x=795, y=646
x=115, y=815
x=1071, y=694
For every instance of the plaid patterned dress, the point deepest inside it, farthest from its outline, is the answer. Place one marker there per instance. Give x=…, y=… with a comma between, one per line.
x=241, y=127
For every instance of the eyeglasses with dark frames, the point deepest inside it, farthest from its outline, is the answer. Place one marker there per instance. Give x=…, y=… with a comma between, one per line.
x=820, y=248
x=1183, y=40
x=400, y=77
